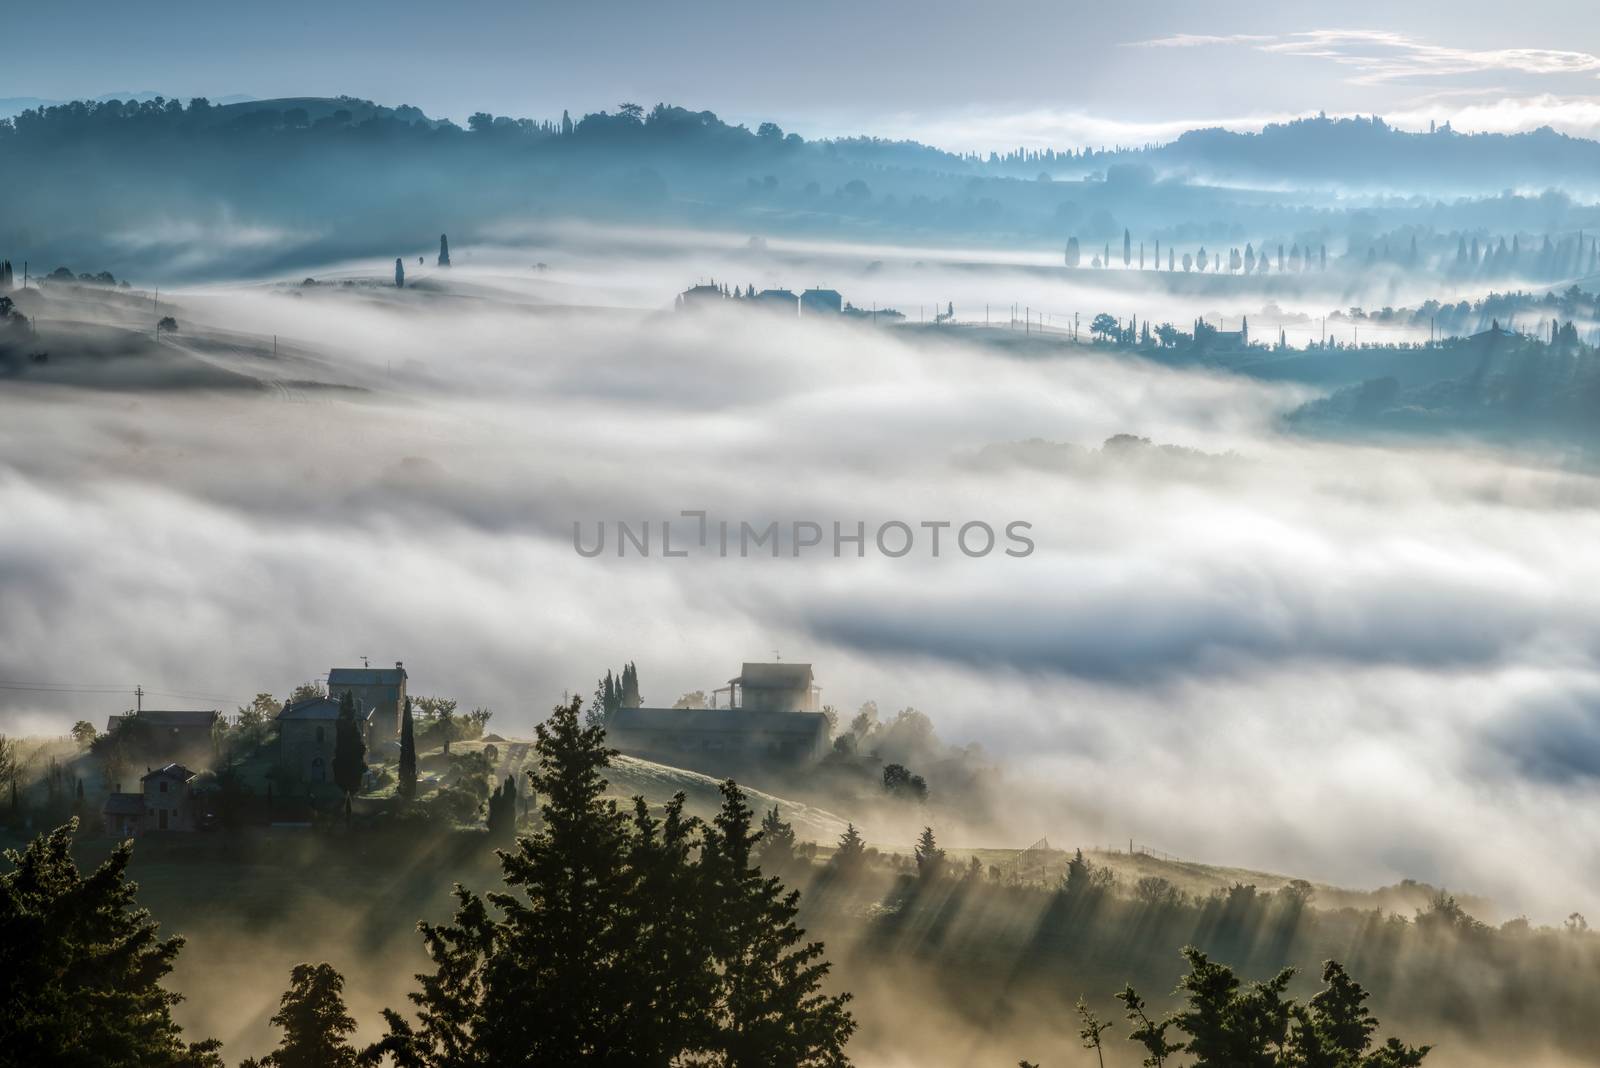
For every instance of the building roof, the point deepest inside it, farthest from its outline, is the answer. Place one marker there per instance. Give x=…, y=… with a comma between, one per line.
x=776, y=294
x=169, y=771
x=777, y=676
x=124, y=805
x=366, y=676
x=319, y=708
x=718, y=719
x=831, y=294
x=168, y=718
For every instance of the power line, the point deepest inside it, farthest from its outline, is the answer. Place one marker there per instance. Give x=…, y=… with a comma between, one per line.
x=107, y=688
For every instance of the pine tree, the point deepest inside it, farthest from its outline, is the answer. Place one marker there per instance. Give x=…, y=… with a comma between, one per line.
x=929, y=857
x=81, y=965
x=672, y=932
x=560, y=953
x=314, y=1021
x=407, y=786
x=777, y=840
x=851, y=850
x=1231, y=1026
x=620, y=941
x=399, y=274
x=769, y=1009
x=349, y=751
x=444, y=251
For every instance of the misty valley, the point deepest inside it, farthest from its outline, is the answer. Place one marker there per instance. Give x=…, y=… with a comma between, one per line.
x=647, y=586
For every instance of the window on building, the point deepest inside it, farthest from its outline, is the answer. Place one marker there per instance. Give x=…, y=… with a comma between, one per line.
x=163, y=786
x=318, y=770
x=163, y=813
x=319, y=735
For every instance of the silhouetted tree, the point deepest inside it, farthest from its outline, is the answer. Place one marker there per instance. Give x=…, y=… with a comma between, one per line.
x=406, y=787
x=1092, y=1031
x=928, y=855
x=900, y=782
x=502, y=820
x=81, y=966
x=851, y=851
x=1149, y=1033
x=399, y=274
x=349, y=751
x=776, y=848
x=314, y=1021
x=769, y=1008
x=444, y=245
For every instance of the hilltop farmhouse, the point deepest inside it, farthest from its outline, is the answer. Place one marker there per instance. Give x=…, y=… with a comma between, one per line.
x=771, y=717
x=306, y=728
x=380, y=692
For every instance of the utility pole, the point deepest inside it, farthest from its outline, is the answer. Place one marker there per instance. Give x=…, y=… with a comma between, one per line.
x=1027, y=319
x=138, y=699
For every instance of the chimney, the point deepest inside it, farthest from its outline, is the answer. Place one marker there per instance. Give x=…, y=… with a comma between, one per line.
x=398, y=666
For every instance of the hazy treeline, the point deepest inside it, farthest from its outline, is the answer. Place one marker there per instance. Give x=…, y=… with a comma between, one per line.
x=273, y=184
x=991, y=949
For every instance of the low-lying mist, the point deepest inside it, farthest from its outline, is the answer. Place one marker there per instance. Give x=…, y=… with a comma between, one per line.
x=1348, y=662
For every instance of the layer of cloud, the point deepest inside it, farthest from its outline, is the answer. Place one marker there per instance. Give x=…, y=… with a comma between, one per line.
x=1288, y=655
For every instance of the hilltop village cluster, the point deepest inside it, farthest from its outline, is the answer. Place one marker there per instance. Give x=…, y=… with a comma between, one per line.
x=784, y=302
x=768, y=715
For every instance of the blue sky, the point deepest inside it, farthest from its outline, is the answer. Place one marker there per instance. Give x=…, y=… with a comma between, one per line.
x=960, y=75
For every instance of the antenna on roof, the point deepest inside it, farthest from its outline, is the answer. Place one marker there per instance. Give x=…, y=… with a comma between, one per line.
x=776, y=655
x=364, y=662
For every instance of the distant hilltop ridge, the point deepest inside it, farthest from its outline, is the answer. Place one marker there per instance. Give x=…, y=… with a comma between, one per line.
x=203, y=189
x=1359, y=150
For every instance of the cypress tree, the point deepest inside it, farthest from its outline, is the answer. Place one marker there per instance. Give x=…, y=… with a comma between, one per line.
x=407, y=787
x=444, y=251
x=349, y=751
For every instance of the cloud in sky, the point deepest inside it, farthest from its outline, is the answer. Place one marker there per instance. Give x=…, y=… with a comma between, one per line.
x=1385, y=55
